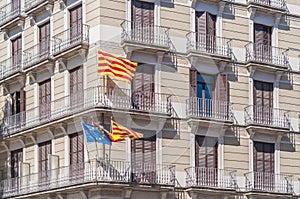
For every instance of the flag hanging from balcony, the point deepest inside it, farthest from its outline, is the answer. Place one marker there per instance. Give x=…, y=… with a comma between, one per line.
x=121, y=69
x=124, y=132
x=112, y=137
x=92, y=134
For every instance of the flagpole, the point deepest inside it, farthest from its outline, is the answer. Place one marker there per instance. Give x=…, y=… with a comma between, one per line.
x=86, y=143
x=103, y=145
x=109, y=152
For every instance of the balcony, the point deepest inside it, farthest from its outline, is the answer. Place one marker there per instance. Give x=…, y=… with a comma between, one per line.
x=34, y=6
x=263, y=117
x=144, y=37
x=10, y=66
x=10, y=13
x=268, y=4
x=68, y=42
x=36, y=54
x=207, y=110
x=269, y=183
x=120, y=173
x=266, y=57
x=107, y=99
x=207, y=46
x=205, y=179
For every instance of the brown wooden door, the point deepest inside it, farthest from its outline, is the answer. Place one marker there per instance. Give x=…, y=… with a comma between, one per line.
x=142, y=18
x=76, y=23
x=262, y=43
x=45, y=99
x=16, y=160
x=44, y=164
x=76, y=87
x=263, y=166
x=205, y=32
x=44, y=39
x=143, y=159
x=263, y=102
x=76, y=156
x=16, y=52
x=206, y=161
x=143, y=95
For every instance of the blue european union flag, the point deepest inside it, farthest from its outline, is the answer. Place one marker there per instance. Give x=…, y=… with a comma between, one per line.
x=92, y=134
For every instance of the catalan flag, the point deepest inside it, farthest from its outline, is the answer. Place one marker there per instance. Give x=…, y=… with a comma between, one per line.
x=124, y=132
x=121, y=69
x=112, y=137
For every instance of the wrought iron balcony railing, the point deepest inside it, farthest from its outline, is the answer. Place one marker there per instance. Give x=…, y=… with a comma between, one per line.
x=279, y=4
x=145, y=34
x=269, y=182
x=208, y=44
x=208, y=108
x=116, y=98
x=11, y=66
x=266, y=54
x=29, y=4
x=267, y=116
x=36, y=54
x=210, y=178
x=10, y=11
x=70, y=38
x=90, y=172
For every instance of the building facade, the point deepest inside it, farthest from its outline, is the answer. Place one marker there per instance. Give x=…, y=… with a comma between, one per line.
x=216, y=95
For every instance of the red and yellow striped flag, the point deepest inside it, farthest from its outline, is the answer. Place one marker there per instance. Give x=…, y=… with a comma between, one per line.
x=121, y=69
x=122, y=131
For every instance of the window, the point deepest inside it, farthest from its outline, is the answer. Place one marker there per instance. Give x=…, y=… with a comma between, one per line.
x=76, y=156
x=76, y=87
x=143, y=87
x=142, y=17
x=45, y=99
x=44, y=152
x=262, y=43
x=143, y=159
x=16, y=52
x=263, y=165
x=16, y=160
x=205, y=31
x=206, y=160
x=263, y=102
x=209, y=94
x=76, y=23
x=18, y=107
x=44, y=39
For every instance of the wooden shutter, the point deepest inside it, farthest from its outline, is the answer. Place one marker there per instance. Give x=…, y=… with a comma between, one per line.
x=263, y=102
x=263, y=42
x=263, y=165
x=200, y=30
x=143, y=158
x=193, y=82
x=221, y=88
x=210, y=33
x=76, y=155
x=143, y=87
x=22, y=100
x=16, y=161
x=76, y=87
x=206, y=160
x=75, y=22
x=16, y=51
x=44, y=152
x=44, y=38
x=142, y=18
x=45, y=99
x=206, y=152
